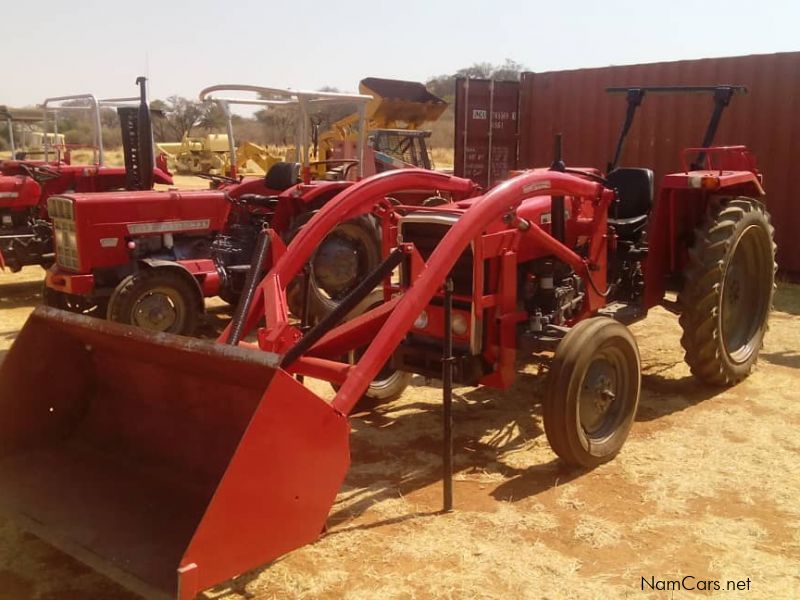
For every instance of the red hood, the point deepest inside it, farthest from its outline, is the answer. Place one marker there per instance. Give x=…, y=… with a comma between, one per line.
x=18, y=192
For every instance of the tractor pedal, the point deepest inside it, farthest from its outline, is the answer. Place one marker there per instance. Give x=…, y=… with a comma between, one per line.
x=623, y=312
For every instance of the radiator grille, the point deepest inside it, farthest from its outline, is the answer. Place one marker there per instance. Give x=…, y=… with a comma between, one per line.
x=62, y=213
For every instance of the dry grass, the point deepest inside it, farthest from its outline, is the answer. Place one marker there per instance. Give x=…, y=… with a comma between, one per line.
x=442, y=158
x=707, y=485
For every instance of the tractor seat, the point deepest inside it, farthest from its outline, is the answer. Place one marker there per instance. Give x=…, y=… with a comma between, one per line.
x=282, y=175
x=628, y=215
x=259, y=200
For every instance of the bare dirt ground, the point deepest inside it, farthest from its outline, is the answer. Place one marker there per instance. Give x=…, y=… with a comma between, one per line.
x=708, y=486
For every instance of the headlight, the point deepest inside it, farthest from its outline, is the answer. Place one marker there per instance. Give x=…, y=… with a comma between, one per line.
x=459, y=324
x=421, y=321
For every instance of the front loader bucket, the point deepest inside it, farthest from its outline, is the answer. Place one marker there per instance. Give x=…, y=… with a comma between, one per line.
x=167, y=463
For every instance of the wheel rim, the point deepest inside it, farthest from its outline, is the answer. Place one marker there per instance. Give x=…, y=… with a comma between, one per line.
x=159, y=309
x=744, y=299
x=603, y=395
x=340, y=262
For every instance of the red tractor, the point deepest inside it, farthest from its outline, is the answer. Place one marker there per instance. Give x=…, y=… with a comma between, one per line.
x=26, y=236
x=188, y=462
x=150, y=258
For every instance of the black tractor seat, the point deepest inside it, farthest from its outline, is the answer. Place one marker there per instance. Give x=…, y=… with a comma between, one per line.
x=628, y=215
x=282, y=175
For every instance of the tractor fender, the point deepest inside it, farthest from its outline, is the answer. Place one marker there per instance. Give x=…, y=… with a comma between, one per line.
x=157, y=263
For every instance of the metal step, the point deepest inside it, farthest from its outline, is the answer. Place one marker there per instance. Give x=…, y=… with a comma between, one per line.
x=624, y=312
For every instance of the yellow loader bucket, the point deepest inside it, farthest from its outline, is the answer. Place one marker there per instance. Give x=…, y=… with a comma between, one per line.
x=167, y=463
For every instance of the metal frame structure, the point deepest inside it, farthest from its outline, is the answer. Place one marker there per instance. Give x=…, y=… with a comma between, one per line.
x=723, y=94
x=52, y=106
x=303, y=101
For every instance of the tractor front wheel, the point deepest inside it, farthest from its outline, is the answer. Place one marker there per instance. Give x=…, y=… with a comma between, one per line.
x=389, y=383
x=592, y=392
x=157, y=299
x=727, y=291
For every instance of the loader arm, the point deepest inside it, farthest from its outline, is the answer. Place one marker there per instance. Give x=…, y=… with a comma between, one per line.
x=277, y=336
x=354, y=201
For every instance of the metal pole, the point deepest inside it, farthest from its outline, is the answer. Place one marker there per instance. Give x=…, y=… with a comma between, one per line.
x=305, y=315
x=231, y=143
x=98, y=131
x=491, y=130
x=252, y=279
x=362, y=136
x=557, y=219
x=634, y=99
x=44, y=127
x=722, y=98
x=11, y=138
x=466, y=125
x=447, y=399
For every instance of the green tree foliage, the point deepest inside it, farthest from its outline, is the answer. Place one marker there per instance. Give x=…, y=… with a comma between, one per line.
x=279, y=122
x=444, y=85
x=180, y=116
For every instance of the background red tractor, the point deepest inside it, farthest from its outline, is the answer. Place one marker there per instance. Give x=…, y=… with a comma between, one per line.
x=150, y=258
x=25, y=185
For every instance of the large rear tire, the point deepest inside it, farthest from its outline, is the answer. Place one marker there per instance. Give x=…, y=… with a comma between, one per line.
x=347, y=254
x=727, y=292
x=157, y=299
x=592, y=392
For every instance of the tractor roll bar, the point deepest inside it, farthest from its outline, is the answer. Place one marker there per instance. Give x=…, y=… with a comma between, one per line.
x=17, y=115
x=302, y=99
x=94, y=106
x=635, y=94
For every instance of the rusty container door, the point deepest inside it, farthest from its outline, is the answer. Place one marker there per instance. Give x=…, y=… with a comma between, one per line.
x=766, y=119
x=486, y=153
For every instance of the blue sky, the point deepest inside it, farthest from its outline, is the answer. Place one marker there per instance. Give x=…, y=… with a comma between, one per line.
x=63, y=47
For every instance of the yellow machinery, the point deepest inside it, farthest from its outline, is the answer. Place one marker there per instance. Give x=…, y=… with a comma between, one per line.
x=28, y=140
x=394, y=116
x=211, y=155
x=193, y=155
x=250, y=155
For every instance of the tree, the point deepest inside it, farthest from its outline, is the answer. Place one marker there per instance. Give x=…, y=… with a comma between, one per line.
x=444, y=85
x=212, y=117
x=181, y=115
x=280, y=121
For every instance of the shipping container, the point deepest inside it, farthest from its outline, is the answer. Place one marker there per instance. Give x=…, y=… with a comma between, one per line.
x=766, y=119
x=486, y=153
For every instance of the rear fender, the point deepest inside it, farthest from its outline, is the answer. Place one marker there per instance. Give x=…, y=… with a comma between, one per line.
x=155, y=263
x=680, y=208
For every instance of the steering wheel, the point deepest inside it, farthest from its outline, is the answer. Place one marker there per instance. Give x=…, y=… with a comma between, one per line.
x=40, y=173
x=218, y=179
x=348, y=164
x=601, y=180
